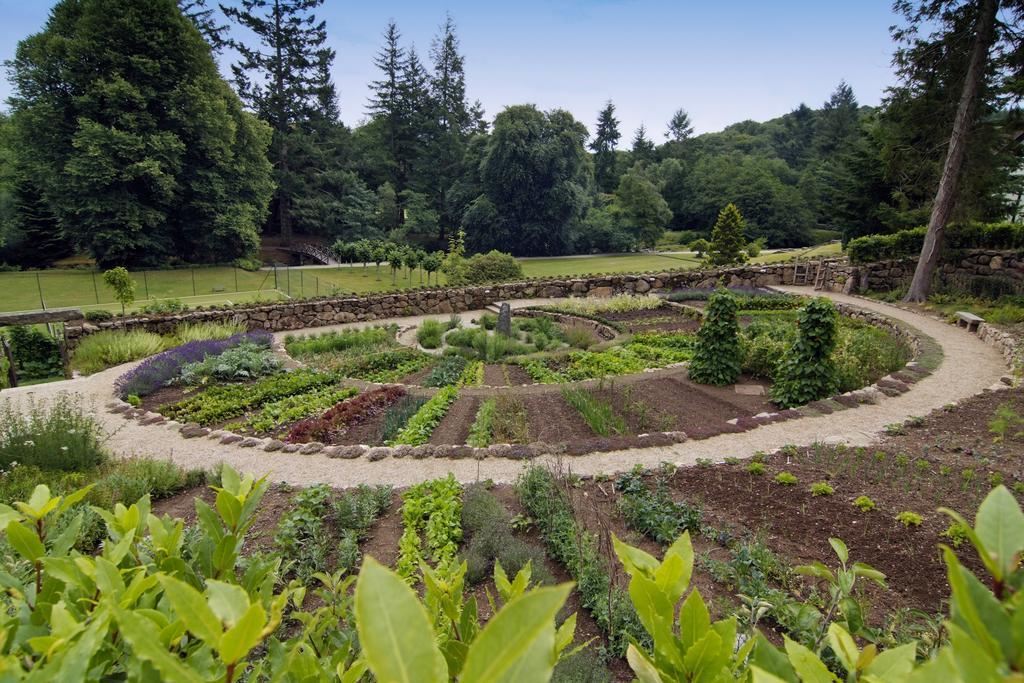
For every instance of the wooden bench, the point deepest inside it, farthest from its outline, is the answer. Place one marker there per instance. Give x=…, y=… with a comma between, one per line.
x=968, y=320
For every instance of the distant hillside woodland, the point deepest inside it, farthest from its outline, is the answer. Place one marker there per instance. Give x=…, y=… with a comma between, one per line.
x=125, y=142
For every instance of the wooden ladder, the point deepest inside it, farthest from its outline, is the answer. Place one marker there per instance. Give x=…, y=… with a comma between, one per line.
x=819, y=280
x=801, y=271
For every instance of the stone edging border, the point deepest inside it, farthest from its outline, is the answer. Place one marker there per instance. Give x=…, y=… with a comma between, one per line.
x=926, y=355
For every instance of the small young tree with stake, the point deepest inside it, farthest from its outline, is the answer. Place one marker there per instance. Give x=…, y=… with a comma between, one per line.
x=119, y=280
x=727, y=238
x=716, y=358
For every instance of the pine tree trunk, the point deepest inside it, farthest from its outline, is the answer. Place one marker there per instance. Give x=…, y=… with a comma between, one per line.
x=945, y=198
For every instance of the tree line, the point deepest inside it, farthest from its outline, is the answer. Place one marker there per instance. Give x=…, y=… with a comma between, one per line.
x=125, y=142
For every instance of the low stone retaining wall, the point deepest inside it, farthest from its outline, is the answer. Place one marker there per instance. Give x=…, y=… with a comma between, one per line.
x=1002, y=269
x=294, y=315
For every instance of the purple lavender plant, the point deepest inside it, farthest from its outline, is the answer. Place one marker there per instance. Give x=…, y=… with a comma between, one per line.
x=157, y=371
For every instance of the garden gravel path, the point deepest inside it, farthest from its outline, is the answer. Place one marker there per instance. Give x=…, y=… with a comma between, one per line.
x=969, y=367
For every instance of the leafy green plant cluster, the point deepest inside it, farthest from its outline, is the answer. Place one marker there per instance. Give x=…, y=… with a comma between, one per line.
x=301, y=536
x=482, y=430
x=865, y=353
x=821, y=488
x=202, y=331
x=716, y=356
x=242, y=362
x=382, y=367
x=807, y=371
x=511, y=422
x=909, y=519
x=329, y=342
x=108, y=348
x=36, y=353
x=397, y=416
x=599, y=414
x=472, y=375
x=219, y=403
x=276, y=414
x=864, y=504
x=420, y=426
x=52, y=435
x=1007, y=422
x=157, y=603
x=539, y=372
x=433, y=510
x=576, y=549
x=663, y=348
x=354, y=514
x=619, y=303
x=786, y=478
x=447, y=372
x=654, y=513
x=489, y=541
x=430, y=332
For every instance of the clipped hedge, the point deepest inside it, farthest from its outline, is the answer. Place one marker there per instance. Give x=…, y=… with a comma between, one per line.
x=908, y=243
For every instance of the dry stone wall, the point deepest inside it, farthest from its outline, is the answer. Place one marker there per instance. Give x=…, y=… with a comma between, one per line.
x=1001, y=269
x=294, y=315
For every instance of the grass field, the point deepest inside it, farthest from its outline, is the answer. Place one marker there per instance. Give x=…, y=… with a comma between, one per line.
x=208, y=286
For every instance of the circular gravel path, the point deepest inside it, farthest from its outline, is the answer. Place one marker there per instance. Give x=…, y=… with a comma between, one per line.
x=969, y=367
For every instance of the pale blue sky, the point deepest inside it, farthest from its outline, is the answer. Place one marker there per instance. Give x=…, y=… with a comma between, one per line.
x=722, y=61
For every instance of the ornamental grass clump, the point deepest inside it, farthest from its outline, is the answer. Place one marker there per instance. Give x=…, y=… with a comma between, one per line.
x=113, y=347
x=161, y=369
x=717, y=355
x=807, y=372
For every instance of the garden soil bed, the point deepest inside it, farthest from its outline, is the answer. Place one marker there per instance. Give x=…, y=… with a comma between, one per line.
x=417, y=378
x=676, y=404
x=552, y=420
x=165, y=396
x=664, y=319
x=364, y=428
x=454, y=426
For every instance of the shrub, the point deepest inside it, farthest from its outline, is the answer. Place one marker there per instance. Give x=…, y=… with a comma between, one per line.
x=163, y=307
x=35, y=352
x=113, y=347
x=187, y=332
x=494, y=266
x=580, y=338
x=242, y=362
x=716, y=357
x=864, y=354
x=54, y=435
x=98, y=316
x=158, y=371
x=907, y=243
x=785, y=479
x=807, y=371
x=429, y=333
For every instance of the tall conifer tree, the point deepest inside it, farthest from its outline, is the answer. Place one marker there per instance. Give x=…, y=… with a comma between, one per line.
x=282, y=78
x=603, y=146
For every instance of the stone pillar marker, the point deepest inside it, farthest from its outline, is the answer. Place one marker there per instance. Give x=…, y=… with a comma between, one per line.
x=504, y=325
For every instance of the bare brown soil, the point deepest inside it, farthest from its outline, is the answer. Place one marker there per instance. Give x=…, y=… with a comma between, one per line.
x=553, y=420
x=454, y=427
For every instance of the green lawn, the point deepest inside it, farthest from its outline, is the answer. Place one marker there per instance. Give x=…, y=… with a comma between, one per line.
x=207, y=286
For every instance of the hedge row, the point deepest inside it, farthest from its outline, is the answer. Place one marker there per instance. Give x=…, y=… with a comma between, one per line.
x=907, y=243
